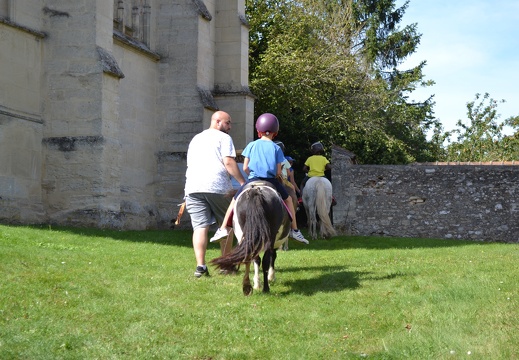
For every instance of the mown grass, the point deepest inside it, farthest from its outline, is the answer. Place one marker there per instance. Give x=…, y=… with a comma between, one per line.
x=97, y=294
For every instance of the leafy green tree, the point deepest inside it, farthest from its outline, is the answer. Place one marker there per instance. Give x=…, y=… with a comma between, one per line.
x=328, y=70
x=510, y=143
x=482, y=139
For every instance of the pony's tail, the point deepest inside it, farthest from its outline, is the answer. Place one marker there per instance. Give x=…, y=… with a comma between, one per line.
x=323, y=210
x=256, y=233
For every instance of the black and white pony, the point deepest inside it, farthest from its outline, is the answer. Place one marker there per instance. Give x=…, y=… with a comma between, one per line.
x=261, y=223
x=317, y=200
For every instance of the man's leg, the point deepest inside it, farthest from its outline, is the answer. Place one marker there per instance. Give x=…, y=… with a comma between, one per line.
x=201, y=218
x=200, y=244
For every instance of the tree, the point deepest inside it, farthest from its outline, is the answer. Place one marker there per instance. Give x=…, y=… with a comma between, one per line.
x=482, y=138
x=328, y=70
x=510, y=143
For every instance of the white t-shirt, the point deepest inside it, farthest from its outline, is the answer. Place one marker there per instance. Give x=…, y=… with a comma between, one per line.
x=205, y=169
x=285, y=168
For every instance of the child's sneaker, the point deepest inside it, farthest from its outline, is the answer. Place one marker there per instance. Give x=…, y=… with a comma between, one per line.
x=298, y=235
x=201, y=270
x=219, y=235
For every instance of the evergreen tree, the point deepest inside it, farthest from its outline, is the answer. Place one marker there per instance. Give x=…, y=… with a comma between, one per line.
x=328, y=70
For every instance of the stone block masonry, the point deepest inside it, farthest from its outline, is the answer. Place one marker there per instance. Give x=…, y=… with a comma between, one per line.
x=99, y=100
x=96, y=118
x=447, y=201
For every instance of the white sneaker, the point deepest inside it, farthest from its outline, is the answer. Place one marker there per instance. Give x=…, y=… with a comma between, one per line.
x=298, y=235
x=219, y=235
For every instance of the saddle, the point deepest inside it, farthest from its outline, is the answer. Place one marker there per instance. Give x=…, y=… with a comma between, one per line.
x=253, y=184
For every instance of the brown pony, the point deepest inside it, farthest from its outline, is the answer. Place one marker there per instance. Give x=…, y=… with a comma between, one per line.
x=261, y=223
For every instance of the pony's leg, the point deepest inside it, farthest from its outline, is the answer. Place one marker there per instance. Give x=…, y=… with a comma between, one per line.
x=265, y=266
x=312, y=219
x=247, y=288
x=257, y=281
x=272, y=270
x=309, y=204
x=324, y=200
x=284, y=247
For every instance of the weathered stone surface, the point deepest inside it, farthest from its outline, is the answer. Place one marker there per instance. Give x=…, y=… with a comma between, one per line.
x=80, y=145
x=473, y=202
x=95, y=123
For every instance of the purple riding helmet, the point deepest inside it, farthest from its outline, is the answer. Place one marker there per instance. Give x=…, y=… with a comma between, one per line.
x=267, y=123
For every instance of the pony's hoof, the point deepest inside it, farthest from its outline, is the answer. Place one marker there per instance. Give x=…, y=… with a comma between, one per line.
x=247, y=290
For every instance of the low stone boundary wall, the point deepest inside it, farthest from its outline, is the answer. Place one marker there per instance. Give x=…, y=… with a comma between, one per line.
x=437, y=200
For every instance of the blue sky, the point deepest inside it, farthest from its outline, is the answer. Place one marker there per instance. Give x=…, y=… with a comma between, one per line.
x=471, y=46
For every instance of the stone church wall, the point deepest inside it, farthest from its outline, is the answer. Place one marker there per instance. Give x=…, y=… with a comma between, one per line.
x=99, y=100
x=21, y=123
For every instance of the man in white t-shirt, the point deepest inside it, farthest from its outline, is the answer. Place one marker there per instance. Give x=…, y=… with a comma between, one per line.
x=210, y=161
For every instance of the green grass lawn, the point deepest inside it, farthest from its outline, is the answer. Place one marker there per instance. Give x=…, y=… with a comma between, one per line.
x=94, y=294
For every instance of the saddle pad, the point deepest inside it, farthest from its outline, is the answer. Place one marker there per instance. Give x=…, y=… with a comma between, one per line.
x=261, y=184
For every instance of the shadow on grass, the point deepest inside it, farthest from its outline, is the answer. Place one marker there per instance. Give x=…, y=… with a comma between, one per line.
x=183, y=238
x=163, y=237
x=381, y=243
x=334, y=279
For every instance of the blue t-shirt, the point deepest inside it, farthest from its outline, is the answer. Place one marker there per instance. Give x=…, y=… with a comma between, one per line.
x=264, y=156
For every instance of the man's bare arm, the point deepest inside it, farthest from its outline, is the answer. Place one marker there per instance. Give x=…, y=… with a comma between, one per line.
x=232, y=168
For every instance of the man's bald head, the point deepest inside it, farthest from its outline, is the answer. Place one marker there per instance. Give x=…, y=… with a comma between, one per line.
x=221, y=121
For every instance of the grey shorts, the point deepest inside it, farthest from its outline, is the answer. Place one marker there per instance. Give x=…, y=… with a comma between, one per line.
x=205, y=209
